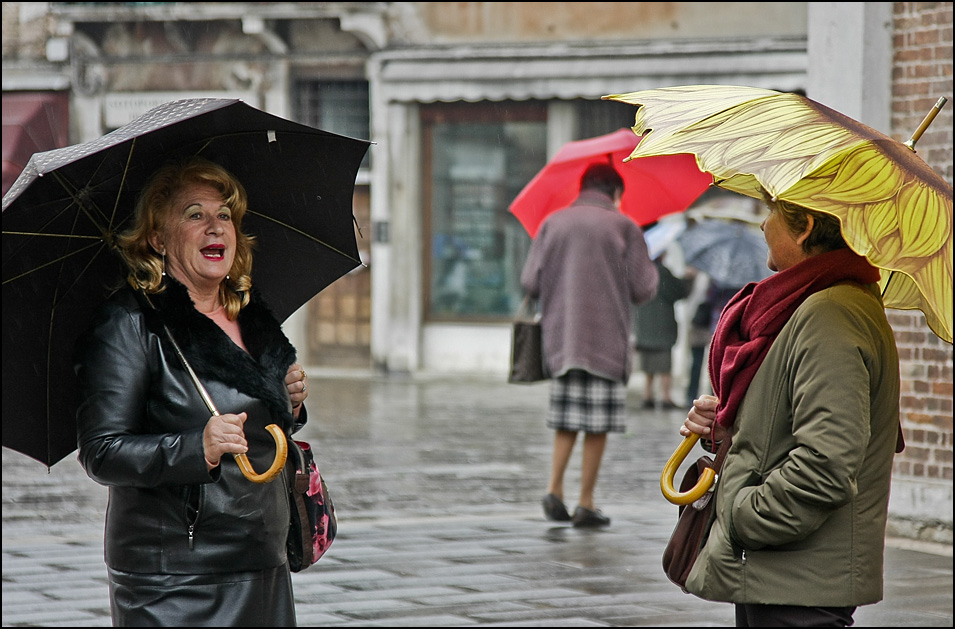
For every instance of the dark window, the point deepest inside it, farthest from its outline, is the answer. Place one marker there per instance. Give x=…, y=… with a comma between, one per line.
x=337, y=106
x=599, y=117
x=477, y=158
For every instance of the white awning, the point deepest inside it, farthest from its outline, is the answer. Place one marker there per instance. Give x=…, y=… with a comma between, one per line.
x=576, y=71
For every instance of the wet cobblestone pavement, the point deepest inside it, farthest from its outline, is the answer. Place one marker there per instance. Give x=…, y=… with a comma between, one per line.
x=437, y=484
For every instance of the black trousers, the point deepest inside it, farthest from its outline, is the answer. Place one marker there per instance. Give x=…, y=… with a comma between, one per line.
x=793, y=616
x=696, y=371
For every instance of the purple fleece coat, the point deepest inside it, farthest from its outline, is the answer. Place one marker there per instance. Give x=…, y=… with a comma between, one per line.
x=586, y=267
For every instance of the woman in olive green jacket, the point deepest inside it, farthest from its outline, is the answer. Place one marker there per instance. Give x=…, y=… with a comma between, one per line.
x=806, y=376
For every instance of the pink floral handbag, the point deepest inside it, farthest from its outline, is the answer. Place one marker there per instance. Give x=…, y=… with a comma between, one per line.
x=313, y=524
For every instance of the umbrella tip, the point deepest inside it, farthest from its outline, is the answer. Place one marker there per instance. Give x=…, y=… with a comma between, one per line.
x=925, y=123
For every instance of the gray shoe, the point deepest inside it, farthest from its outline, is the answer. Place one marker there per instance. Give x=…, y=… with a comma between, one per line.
x=584, y=517
x=555, y=509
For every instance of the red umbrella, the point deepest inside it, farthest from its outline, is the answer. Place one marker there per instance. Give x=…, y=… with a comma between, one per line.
x=653, y=186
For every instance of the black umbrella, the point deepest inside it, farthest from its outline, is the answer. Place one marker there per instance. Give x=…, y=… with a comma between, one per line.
x=61, y=215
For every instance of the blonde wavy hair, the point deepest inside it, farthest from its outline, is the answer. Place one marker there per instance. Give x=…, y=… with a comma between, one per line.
x=145, y=265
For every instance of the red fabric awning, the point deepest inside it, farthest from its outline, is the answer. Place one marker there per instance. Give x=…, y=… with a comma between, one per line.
x=32, y=122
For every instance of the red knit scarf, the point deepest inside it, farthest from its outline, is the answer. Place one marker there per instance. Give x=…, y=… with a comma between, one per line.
x=754, y=316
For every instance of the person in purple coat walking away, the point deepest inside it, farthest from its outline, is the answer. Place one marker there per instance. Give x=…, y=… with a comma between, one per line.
x=587, y=267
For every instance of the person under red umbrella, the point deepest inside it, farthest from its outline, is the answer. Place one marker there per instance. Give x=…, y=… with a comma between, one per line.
x=586, y=267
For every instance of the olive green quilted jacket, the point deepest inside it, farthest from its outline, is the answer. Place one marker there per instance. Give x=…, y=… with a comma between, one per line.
x=801, y=504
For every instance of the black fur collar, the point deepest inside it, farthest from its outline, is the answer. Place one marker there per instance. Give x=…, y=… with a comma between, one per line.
x=213, y=355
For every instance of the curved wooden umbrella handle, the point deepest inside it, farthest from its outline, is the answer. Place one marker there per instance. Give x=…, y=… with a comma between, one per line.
x=281, y=444
x=702, y=486
x=281, y=453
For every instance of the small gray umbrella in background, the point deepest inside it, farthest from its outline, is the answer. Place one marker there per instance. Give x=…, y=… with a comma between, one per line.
x=663, y=233
x=732, y=253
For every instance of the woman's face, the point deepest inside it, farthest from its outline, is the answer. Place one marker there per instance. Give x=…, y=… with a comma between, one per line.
x=198, y=237
x=785, y=248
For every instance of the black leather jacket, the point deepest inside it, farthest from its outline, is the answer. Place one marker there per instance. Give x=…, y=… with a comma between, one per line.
x=140, y=424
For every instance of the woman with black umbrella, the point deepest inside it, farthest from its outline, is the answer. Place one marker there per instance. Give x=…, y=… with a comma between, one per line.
x=189, y=540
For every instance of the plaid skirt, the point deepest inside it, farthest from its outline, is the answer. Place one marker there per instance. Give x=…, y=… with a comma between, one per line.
x=581, y=401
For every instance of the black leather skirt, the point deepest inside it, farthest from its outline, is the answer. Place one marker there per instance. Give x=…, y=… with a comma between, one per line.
x=238, y=599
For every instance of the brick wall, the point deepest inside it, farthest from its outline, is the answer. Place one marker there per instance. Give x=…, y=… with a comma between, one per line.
x=922, y=72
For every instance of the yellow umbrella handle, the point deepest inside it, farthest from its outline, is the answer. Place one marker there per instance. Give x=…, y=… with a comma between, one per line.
x=702, y=486
x=281, y=453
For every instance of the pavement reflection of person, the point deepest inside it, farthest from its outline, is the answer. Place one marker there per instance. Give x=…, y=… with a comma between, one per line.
x=453, y=282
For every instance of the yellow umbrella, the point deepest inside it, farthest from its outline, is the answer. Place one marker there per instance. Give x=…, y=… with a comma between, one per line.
x=894, y=209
